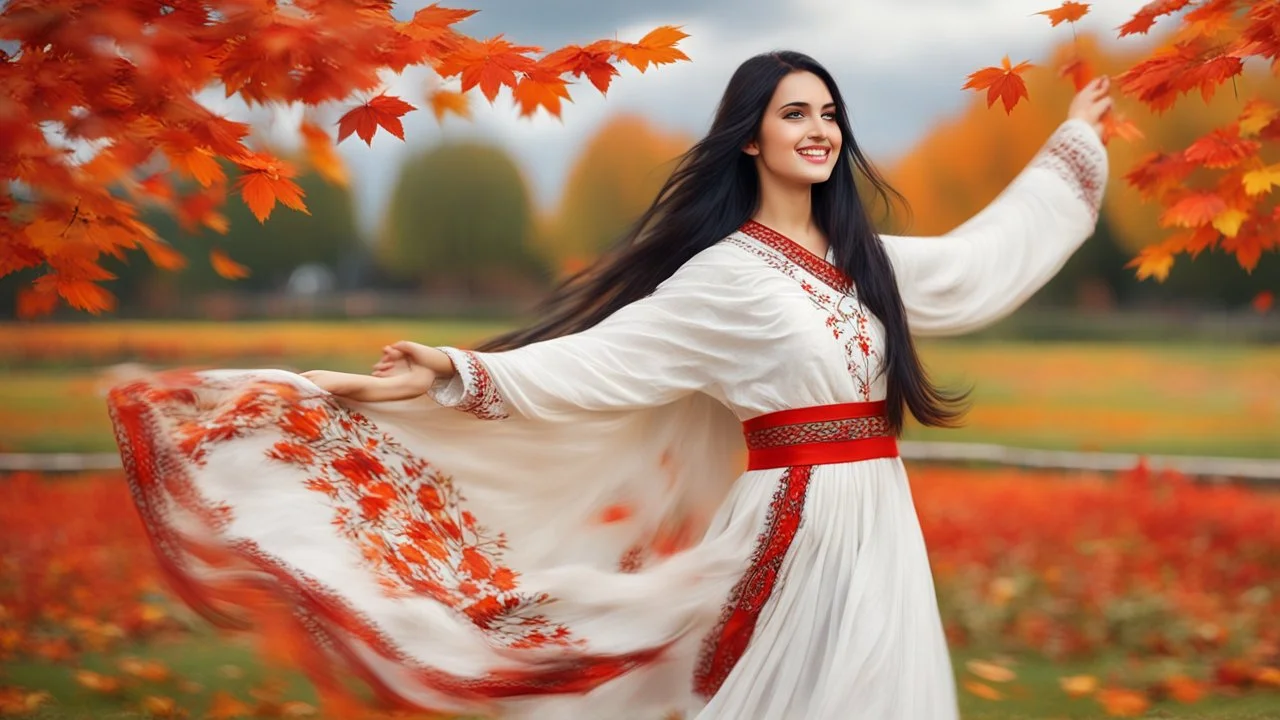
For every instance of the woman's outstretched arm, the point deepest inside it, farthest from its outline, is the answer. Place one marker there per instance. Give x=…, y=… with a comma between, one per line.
x=990, y=265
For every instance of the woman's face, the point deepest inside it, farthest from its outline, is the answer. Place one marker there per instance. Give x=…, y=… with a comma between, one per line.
x=799, y=139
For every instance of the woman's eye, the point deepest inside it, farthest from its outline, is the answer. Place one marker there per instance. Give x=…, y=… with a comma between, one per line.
x=794, y=113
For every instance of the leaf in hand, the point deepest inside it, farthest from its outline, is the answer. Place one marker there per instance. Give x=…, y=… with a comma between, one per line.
x=384, y=110
x=1004, y=83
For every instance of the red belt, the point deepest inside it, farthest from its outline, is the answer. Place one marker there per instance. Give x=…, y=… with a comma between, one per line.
x=820, y=435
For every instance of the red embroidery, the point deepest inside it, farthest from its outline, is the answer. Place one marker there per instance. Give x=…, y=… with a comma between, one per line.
x=403, y=514
x=480, y=395
x=724, y=646
x=846, y=316
x=817, y=432
x=1075, y=159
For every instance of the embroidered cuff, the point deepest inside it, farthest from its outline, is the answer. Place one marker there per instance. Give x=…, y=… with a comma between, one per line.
x=471, y=389
x=1076, y=154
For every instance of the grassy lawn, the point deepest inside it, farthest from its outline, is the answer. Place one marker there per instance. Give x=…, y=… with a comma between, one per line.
x=1176, y=399
x=206, y=663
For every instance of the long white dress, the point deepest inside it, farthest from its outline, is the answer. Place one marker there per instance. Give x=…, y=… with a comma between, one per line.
x=563, y=530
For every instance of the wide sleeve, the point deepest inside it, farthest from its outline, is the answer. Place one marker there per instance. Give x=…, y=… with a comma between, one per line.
x=681, y=339
x=986, y=268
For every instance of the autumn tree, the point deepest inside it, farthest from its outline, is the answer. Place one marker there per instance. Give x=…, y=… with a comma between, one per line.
x=616, y=176
x=461, y=217
x=1214, y=190
x=101, y=112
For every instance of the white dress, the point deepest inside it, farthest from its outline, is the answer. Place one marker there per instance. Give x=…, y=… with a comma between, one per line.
x=573, y=542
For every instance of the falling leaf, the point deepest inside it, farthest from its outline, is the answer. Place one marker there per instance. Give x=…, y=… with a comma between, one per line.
x=383, y=110
x=982, y=690
x=1067, y=12
x=324, y=158
x=656, y=48
x=1078, y=686
x=225, y=266
x=447, y=101
x=989, y=671
x=1001, y=83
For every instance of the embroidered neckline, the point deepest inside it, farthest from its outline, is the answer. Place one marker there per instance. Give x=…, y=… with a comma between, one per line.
x=797, y=254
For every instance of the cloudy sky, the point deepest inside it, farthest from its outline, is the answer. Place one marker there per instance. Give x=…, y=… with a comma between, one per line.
x=899, y=63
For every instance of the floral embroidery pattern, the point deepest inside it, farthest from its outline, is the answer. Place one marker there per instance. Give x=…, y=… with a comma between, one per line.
x=847, y=318
x=403, y=514
x=1076, y=160
x=198, y=411
x=724, y=646
x=472, y=390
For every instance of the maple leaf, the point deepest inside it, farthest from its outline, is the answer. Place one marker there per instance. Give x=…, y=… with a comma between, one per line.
x=1228, y=221
x=225, y=266
x=1004, y=83
x=1222, y=148
x=1078, y=686
x=1261, y=180
x=982, y=690
x=447, y=101
x=1248, y=246
x=1159, y=172
x=1080, y=72
x=265, y=181
x=1194, y=210
x=592, y=61
x=1153, y=261
x=321, y=153
x=1148, y=14
x=1117, y=125
x=656, y=48
x=1257, y=114
x=489, y=65
x=540, y=89
x=384, y=110
x=989, y=671
x=1067, y=12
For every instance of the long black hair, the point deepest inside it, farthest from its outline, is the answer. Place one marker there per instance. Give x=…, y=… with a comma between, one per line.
x=712, y=192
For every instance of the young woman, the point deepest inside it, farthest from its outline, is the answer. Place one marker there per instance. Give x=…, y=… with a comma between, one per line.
x=561, y=525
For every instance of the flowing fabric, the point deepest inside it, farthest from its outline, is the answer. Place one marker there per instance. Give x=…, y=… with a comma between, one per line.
x=564, y=529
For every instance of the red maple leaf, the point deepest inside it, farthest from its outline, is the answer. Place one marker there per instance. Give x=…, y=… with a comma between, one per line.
x=384, y=110
x=1004, y=83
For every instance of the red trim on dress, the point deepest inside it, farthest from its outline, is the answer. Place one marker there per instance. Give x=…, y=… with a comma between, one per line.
x=793, y=251
x=797, y=440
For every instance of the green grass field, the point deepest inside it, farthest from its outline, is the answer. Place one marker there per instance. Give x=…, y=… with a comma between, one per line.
x=1177, y=399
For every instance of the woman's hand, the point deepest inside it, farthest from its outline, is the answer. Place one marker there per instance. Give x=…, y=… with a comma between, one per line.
x=403, y=356
x=405, y=385
x=1092, y=103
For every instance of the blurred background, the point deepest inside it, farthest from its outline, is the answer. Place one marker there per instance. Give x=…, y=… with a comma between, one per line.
x=1134, y=569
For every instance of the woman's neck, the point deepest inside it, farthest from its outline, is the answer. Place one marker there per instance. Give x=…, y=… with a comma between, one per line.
x=789, y=210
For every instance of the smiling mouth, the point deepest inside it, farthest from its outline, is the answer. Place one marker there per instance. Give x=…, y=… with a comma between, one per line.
x=814, y=155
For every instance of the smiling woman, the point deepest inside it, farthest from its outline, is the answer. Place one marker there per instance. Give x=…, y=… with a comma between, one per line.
x=560, y=524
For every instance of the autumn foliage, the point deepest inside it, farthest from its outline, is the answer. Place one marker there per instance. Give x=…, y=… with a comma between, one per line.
x=1216, y=192
x=101, y=113
x=1173, y=574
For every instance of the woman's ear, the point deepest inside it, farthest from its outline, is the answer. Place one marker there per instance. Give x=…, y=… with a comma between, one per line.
x=752, y=148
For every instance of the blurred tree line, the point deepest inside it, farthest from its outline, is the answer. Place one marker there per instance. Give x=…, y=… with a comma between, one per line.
x=461, y=223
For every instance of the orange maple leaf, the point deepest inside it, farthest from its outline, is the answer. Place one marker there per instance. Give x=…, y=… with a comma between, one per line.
x=656, y=48
x=321, y=153
x=265, y=181
x=1256, y=115
x=1080, y=72
x=489, y=64
x=384, y=110
x=1222, y=148
x=1194, y=210
x=1148, y=14
x=592, y=61
x=225, y=266
x=1118, y=125
x=1067, y=12
x=1004, y=83
x=540, y=89
x=448, y=101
